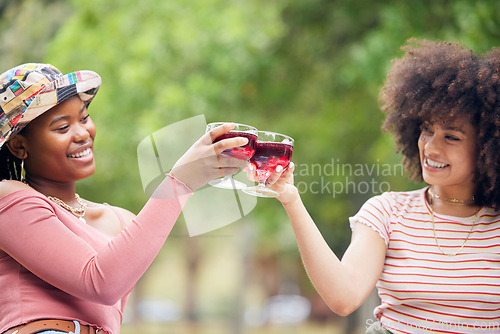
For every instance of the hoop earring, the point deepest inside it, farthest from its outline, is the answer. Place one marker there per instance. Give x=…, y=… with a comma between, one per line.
x=22, y=171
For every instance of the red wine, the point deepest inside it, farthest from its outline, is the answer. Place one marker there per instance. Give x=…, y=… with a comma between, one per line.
x=240, y=152
x=269, y=155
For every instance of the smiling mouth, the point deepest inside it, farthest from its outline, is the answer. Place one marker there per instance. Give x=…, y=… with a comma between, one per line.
x=435, y=164
x=81, y=154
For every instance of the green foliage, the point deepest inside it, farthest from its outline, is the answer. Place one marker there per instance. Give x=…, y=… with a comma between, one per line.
x=25, y=29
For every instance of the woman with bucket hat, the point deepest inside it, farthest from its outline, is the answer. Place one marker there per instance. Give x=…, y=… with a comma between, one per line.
x=67, y=264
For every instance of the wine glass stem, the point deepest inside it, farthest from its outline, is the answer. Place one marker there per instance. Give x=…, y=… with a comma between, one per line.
x=262, y=175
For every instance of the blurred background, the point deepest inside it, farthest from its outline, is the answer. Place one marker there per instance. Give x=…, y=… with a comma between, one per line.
x=311, y=69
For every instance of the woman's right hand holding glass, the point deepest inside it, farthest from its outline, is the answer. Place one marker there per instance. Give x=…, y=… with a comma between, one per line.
x=203, y=161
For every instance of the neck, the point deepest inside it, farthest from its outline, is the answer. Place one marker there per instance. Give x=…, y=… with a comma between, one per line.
x=62, y=190
x=464, y=206
x=458, y=194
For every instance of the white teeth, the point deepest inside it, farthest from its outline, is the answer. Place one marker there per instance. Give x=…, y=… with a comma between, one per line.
x=435, y=164
x=81, y=154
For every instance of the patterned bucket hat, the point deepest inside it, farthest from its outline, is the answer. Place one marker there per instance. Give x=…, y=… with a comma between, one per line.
x=29, y=90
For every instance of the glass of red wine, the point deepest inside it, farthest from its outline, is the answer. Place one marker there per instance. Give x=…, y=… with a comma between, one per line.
x=241, y=152
x=271, y=150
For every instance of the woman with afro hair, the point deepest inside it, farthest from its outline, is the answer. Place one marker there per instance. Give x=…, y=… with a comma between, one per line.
x=432, y=253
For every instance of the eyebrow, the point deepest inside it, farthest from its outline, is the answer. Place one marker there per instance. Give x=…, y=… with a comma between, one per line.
x=60, y=118
x=453, y=128
x=448, y=128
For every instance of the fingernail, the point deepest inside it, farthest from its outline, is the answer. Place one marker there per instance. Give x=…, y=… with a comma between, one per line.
x=291, y=165
x=251, y=167
x=279, y=168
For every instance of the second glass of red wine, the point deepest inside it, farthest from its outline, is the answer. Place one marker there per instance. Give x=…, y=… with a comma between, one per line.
x=271, y=150
x=241, y=152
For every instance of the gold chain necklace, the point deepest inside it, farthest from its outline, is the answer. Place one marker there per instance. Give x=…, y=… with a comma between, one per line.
x=78, y=212
x=452, y=201
x=463, y=244
x=434, y=226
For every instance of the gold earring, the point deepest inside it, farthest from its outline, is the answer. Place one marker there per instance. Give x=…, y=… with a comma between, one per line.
x=22, y=171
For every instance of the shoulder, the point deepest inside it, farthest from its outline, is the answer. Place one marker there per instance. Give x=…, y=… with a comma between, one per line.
x=107, y=218
x=125, y=214
x=390, y=203
x=10, y=186
x=402, y=198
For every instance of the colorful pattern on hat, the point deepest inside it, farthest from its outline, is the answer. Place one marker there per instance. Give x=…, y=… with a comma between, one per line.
x=28, y=90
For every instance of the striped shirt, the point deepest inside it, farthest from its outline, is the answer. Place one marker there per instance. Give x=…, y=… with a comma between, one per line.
x=421, y=289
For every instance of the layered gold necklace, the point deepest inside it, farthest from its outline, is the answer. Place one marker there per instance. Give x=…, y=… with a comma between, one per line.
x=452, y=201
x=78, y=212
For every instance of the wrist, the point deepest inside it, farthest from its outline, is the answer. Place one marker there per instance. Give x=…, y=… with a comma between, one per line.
x=291, y=198
x=180, y=177
x=182, y=183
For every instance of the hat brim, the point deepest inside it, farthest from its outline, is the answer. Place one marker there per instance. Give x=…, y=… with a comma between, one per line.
x=84, y=83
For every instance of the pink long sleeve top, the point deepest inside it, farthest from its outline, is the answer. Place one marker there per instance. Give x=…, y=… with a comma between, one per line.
x=52, y=266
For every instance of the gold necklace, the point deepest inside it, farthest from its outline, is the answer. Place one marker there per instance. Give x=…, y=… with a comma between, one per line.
x=78, y=212
x=463, y=244
x=452, y=201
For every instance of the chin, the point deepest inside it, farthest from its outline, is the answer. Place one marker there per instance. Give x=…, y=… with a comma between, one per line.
x=87, y=173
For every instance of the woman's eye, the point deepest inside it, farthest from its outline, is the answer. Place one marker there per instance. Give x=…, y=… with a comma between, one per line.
x=85, y=118
x=426, y=129
x=452, y=138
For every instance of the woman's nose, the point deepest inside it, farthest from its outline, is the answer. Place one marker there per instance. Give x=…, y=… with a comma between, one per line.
x=432, y=145
x=81, y=133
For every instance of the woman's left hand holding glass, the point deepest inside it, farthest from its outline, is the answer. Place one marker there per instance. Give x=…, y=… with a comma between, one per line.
x=280, y=181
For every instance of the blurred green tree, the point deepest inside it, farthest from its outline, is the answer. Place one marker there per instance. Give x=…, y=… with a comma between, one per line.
x=26, y=27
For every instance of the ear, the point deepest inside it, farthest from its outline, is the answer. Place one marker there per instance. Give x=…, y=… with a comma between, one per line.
x=17, y=146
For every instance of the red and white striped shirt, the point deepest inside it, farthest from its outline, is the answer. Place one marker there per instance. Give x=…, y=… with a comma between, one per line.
x=421, y=289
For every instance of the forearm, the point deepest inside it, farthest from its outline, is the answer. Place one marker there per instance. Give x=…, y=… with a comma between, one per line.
x=125, y=259
x=128, y=255
x=330, y=277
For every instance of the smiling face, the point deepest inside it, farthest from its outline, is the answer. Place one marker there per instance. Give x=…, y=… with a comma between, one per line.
x=448, y=156
x=60, y=143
